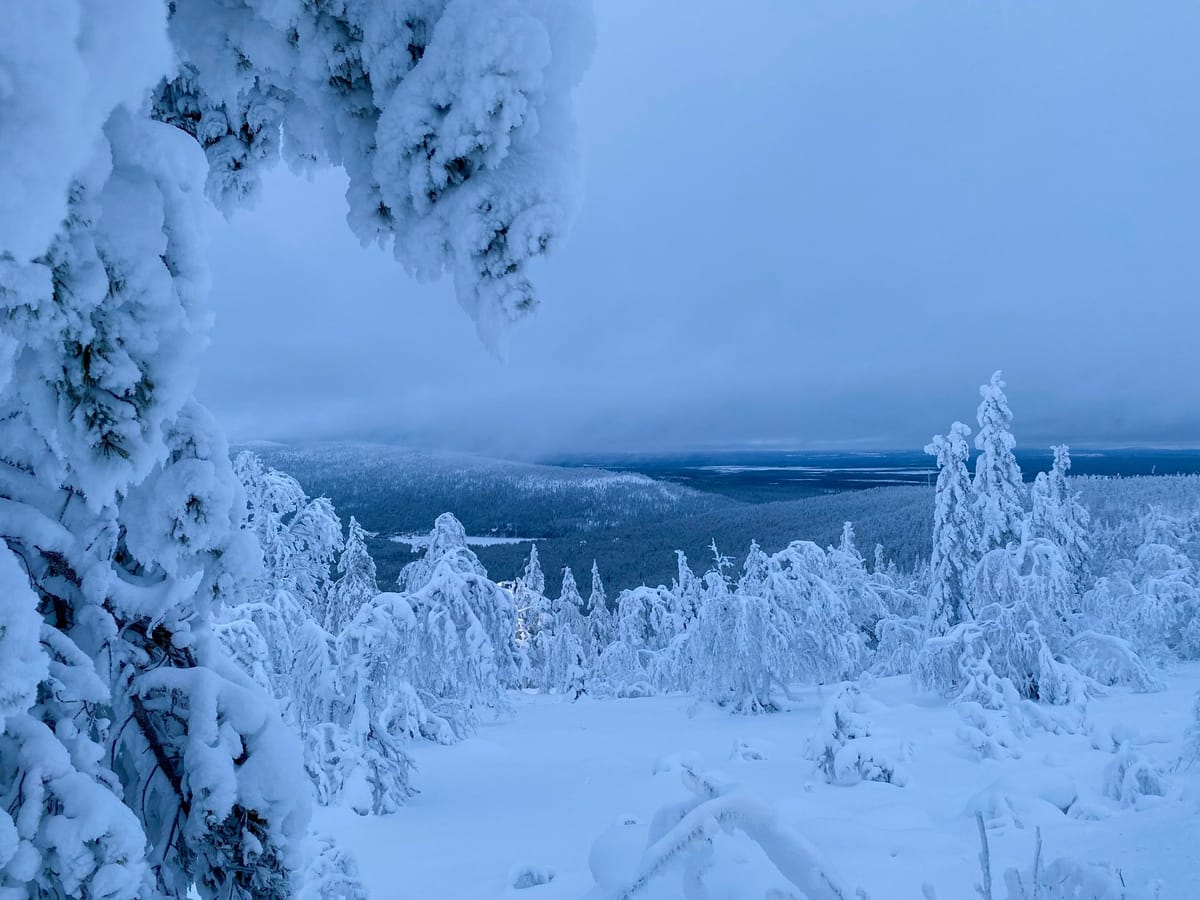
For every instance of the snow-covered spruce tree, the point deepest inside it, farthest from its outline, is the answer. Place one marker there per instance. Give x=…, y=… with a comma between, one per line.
x=532, y=604
x=565, y=664
x=998, y=488
x=148, y=765
x=359, y=754
x=1023, y=597
x=147, y=762
x=687, y=590
x=955, y=532
x=846, y=572
x=557, y=647
x=568, y=607
x=600, y=627
x=739, y=650
x=1058, y=514
x=357, y=584
x=466, y=626
x=646, y=618
x=283, y=608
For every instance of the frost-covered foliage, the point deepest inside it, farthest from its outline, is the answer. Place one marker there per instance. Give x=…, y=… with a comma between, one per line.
x=567, y=609
x=693, y=846
x=1058, y=515
x=1131, y=777
x=742, y=643
x=356, y=584
x=823, y=640
x=1151, y=598
x=532, y=606
x=738, y=649
x=451, y=119
x=558, y=655
x=467, y=623
x=599, y=625
x=998, y=487
x=331, y=874
x=146, y=763
x=955, y=532
x=844, y=748
x=846, y=572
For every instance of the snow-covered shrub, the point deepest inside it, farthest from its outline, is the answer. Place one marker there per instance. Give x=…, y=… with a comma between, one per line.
x=949, y=665
x=1069, y=879
x=715, y=841
x=1151, y=596
x=899, y=640
x=619, y=672
x=331, y=874
x=844, y=748
x=1062, y=879
x=985, y=731
x=566, y=669
x=1110, y=660
x=1131, y=776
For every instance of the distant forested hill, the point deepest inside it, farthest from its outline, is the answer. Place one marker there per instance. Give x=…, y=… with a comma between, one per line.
x=629, y=523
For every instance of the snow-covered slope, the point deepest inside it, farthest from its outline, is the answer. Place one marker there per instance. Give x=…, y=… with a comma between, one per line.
x=533, y=792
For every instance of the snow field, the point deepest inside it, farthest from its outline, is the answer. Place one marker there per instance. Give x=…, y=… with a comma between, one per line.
x=533, y=792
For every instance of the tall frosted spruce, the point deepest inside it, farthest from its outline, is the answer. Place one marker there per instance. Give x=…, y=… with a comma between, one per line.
x=999, y=490
x=955, y=548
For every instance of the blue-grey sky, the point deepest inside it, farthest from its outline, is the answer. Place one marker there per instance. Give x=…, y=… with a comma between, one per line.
x=816, y=223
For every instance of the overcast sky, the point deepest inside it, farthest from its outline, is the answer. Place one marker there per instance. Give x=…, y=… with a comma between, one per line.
x=817, y=223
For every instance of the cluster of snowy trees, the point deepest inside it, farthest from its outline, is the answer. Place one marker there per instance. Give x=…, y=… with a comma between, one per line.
x=1020, y=603
x=358, y=673
x=136, y=758
x=1022, y=600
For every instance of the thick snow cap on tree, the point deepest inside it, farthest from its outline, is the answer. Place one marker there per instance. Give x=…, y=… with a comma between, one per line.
x=447, y=542
x=59, y=81
x=451, y=118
